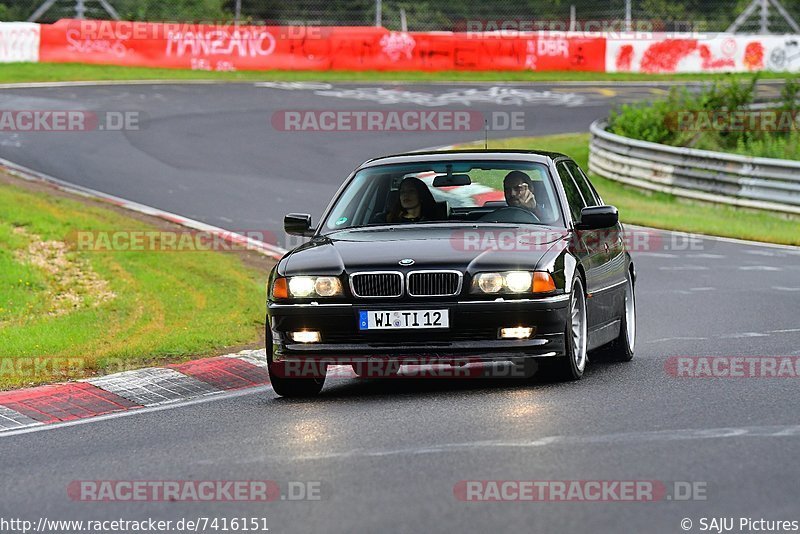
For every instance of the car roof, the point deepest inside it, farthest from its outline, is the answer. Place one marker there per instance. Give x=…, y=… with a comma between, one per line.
x=537, y=156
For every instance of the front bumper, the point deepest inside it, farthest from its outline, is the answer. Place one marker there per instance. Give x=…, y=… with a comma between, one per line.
x=472, y=336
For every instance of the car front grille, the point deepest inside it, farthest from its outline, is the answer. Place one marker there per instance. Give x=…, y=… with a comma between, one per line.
x=434, y=283
x=377, y=284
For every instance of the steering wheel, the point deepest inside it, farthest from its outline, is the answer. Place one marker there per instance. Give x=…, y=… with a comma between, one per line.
x=510, y=214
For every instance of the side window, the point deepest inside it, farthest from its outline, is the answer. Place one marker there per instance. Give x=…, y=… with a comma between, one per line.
x=576, y=203
x=583, y=184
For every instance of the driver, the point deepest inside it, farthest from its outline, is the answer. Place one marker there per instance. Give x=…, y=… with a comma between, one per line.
x=518, y=188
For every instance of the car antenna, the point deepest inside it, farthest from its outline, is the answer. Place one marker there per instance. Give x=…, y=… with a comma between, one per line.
x=486, y=134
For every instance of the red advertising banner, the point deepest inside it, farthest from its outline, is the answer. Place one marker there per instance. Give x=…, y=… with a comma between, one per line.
x=229, y=47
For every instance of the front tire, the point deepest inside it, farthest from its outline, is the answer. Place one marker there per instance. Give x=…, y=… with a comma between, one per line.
x=573, y=364
x=621, y=349
x=291, y=387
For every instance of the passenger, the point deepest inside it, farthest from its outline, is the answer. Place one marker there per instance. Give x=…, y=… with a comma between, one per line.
x=415, y=203
x=518, y=188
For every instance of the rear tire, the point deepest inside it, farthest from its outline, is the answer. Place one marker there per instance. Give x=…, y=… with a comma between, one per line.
x=287, y=386
x=573, y=364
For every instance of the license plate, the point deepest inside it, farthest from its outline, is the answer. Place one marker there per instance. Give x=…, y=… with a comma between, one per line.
x=403, y=319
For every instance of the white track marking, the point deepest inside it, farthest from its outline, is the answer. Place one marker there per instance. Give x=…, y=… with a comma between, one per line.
x=51, y=85
x=295, y=86
x=759, y=268
x=792, y=248
x=12, y=419
x=223, y=395
x=706, y=256
x=742, y=335
x=661, y=340
x=655, y=436
x=498, y=95
x=685, y=268
x=690, y=291
x=767, y=253
x=655, y=255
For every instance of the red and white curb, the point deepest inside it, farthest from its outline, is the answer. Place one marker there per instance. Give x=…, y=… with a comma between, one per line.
x=131, y=390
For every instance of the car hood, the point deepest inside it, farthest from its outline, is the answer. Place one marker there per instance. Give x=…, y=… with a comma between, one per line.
x=465, y=248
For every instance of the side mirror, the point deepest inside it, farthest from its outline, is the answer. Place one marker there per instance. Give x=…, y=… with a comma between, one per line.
x=298, y=224
x=598, y=217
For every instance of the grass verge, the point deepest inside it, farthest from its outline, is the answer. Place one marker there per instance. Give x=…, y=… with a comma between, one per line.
x=60, y=72
x=67, y=313
x=661, y=210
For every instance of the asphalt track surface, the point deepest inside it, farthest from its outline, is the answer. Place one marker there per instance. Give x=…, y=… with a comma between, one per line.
x=388, y=453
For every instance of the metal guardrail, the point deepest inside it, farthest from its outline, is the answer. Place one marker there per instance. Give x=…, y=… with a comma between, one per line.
x=762, y=183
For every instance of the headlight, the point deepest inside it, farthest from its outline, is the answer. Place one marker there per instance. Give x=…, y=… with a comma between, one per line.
x=513, y=282
x=327, y=286
x=519, y=281
x=490, y=282
x=301, y=286
x=307, y=287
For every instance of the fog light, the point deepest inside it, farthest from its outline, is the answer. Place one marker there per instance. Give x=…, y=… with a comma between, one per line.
x=305, y=336
x=517, y=332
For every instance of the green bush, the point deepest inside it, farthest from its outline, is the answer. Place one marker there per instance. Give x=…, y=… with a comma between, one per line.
x=659, y=121
x=790, y=93
x=645, y=122
x=11, y=13
x=781, y=147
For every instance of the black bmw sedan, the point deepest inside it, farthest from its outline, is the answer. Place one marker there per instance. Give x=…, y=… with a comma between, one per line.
x=453, y=257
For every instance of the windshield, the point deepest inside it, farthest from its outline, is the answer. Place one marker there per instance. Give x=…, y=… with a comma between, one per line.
x=465, y=192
